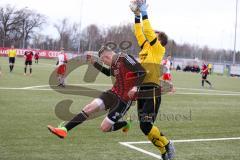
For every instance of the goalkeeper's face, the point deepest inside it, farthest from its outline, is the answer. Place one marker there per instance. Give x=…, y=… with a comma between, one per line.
x=107, y=57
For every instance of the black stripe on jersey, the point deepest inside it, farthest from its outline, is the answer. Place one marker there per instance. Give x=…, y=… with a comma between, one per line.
x=153, y=41
x=143, y=44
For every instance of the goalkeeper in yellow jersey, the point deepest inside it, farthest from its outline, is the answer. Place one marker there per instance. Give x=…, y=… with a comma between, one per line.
x=149, y=96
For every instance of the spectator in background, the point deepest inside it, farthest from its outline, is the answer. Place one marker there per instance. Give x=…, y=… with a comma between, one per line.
x=12, y=54
x=178, y=68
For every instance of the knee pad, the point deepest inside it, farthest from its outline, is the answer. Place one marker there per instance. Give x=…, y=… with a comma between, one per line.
x=146, y=127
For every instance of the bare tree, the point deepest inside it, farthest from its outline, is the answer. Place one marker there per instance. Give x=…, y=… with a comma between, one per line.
x=64, y=33
x=9, y=20
x=30, y=22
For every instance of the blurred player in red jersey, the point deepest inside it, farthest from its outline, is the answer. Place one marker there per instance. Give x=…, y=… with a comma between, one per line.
x=28, y=60
x=167, y=77
x=61, y=70
x=129, y=74
x=36, y=57
x=205, y=73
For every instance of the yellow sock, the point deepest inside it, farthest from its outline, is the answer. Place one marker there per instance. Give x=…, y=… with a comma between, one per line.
x=157, y=139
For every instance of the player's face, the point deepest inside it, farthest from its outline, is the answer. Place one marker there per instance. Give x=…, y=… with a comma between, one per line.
x=106, y=58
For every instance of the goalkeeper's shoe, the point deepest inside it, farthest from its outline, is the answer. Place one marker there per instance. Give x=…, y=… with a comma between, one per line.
x=60, y=131
x=170, y=150
x=126, y=128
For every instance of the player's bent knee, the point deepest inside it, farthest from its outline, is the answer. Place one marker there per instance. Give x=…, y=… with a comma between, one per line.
x=146, y=127
x=106, y=125
x=89, y=109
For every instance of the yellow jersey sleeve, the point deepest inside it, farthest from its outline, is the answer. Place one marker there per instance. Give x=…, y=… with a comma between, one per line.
x=141, y=39
x=148, y=31
x=158, y=50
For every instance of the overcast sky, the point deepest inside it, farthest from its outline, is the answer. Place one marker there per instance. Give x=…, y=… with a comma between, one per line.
x=203, y=22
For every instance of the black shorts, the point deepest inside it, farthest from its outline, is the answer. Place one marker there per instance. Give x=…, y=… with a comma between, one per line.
x=28, y=62
x=148, y=107
x=204, y=76
x=11, y=59
x=117, y=107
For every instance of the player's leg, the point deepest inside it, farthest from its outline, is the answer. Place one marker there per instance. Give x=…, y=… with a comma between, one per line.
x=208, y=82
x=13, y=62
x=147, y=112
x=25, y=68
x=112, y=121
x=203, y=79
x=61, y=75
x=170, y=149
x=95, y=106
x=30, y=67
x=10, y=64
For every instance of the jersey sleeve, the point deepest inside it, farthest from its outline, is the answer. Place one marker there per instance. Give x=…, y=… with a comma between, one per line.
x=102, y=69
x=141, y=39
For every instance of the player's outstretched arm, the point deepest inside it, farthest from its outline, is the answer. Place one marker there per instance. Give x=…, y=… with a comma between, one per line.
x=138, y=31
x=102, y=69
x=147, y=28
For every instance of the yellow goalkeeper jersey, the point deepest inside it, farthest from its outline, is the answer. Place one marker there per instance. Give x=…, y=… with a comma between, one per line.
x=12, y=53
x=152, y=51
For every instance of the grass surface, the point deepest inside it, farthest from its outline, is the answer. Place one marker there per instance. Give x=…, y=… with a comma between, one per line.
x=25, y=113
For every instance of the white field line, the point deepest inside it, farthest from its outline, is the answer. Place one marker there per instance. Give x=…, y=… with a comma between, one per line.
x=131, y=146
x=81, y=84
x=109, y=85
x=42, y=88
x=209, y=90
x=140, y=150
x=209, y=94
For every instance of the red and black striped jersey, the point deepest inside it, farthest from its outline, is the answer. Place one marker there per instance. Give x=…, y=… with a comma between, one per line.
x=28, y=55
x=127, y=72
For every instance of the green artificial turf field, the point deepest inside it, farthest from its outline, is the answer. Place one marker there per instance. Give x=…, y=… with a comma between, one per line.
x=27, y=106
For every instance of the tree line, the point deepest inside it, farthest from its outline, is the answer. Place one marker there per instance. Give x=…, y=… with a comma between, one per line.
x=22, y=27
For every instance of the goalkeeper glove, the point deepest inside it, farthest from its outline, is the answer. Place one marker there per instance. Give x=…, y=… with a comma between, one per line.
x=143, y=8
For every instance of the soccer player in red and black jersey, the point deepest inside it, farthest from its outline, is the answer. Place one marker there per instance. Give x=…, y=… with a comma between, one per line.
x=36, y=57
x=205, y=73
x=28, y=61
x=129, y=74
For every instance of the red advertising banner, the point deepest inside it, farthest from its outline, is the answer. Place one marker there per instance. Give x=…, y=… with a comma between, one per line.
x=42, y=53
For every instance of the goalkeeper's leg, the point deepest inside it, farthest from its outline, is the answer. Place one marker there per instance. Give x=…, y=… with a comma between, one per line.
x=147, y=110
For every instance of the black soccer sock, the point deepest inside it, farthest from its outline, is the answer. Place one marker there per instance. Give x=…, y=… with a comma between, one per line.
x=208, y=82
x=202, y=82
x=118, y=125
x=10, y=67
x=78, y=119
x=30, y=70
x=25, y=70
